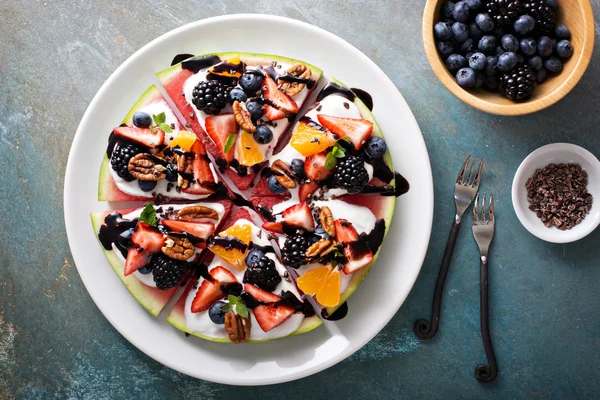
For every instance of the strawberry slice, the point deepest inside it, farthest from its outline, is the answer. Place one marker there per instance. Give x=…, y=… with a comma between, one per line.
x=271, y=316
x=357, y=129
x=306, y=189
x=357, y=253
x=280, y=100
x=143, y=136
x=218, y=127
x=200, y=230
x=299, y=215
x=210, y=291
x=204, y=180
x=260, y=294
x=314, y=167
x=276, y=227
x=145, y=241
x=272, y=113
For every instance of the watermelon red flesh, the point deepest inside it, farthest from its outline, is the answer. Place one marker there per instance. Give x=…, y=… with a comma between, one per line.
x=241, y=213
x=262, y=189
x=266, y=202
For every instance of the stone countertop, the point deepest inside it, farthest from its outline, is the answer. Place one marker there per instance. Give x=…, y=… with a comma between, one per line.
x=55, y=343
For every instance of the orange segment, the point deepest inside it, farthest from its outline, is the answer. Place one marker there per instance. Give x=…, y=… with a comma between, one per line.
x=233, y=255
x=323, y=283
x=184, y=139
x=309, y=140
x=247, y=151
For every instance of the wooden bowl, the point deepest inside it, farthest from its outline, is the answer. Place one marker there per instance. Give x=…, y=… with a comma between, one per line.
x=575, y=14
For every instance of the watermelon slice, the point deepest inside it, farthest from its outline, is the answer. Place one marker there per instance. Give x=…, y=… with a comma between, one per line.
x=151, y=298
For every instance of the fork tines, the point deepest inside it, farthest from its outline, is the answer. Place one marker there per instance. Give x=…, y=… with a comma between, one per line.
x=483, y=218
x=467, y=181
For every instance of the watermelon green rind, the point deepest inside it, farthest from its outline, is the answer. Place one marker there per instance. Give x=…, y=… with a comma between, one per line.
x=151, y=94
x=152, y=299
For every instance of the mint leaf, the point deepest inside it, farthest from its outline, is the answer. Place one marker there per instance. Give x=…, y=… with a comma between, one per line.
x=229, y=142
x=166, y=128
x=346, y=138
x=160, y=118
x=331, y=160
x=148, y=215
x=336, y=152
x=236, y=304
x=241, y=309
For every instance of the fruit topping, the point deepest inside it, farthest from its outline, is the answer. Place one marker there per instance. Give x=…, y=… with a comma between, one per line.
x=142, y=119
x=545, y=19
x=297, y=167
x=503, y=12
x=235, y=249
x=184, y=140
x=200, y=231
x=120, y=159
x=143, y=136
x=215, y=313
x=323, y=283
x=351, y=174
x=255, y=108
x=357, y=129
x=261, y=295
x=145, y=241
x=167, y=272
x=274, y=186
x=310, y=139
x=278, y=99
x=314, y=167
x=375, y=147
x=247, y=151
x=296, y=216
x=231, y=68
x=251, y=81
x=146, y=186
x=210, y=96
x=218, y=128
x=519, y=83
x=237, y=94
x=263, y=274
x=263, y=135
x=254, y=255
x=242, y=116
x=356, y=252
x=306, y=189
x=271, y=316
x=210, y=290
x=204, y=180
x=272, y=113
x=293, y=252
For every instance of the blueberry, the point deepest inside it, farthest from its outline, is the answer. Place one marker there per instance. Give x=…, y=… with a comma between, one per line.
x=215, y=314
x=528, y=46
x=552, y=4
x=535, y=63
x=460, y=31
x=147, y=186
x=442, y=31
x=477, y=61
x=254, y=255
x=474, y=32
x=466, y=78
x=507, y=61
x=145, y=270
x=460, y=12
x=487, y=44
x=254, y=107
x=237, y=94
x=171, y=173
x=554, y=65
x=510, y=43
x=142, y=119
x=562, y=32
x=479, y=80
x=447, y=9
x=274, y=185
x=524, y=25
x=545, y=46
x=564, y=49
x=490, y=66
x=297, y=166
x=491, y=83
x=445, y=48
x=467, y=56
x=263, y=135
x=375, y=147
x=467, y=46
x=251, y=82
x=473, y=4
x=541, y=75
x=455, y=62
x=500, y=51
x=484, y=22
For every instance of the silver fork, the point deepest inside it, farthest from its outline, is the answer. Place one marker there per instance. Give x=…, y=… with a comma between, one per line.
x=483, y=231
x=465, y=189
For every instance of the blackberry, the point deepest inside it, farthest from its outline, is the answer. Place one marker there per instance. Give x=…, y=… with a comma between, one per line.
x=120, y=159
x=293, y=251
x=167, y=272
x=210, y=96
x=545, y=19
x=350, y=174
x=504, y=12
x=263, y=274
x=519, y=83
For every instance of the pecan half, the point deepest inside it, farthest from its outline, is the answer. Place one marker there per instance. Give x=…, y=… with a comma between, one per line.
x=243, y=117
x=237, y=327
x=284, y=174
x=143, y=167
x=327, y=221
x=191, y=213
x=299, y=70
x=185, y=165
x=320, y=249
x=177, y=247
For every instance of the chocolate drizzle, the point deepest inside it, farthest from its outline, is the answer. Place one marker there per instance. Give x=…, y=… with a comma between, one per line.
x=111, y=232
x=181, y=57
x=365, y=97
x=338, y=314
x=195, y=64
x=334, y=88
x=287, y=77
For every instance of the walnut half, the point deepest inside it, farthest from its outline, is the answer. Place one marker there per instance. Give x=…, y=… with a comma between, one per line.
x=178, y=247
x=284, y=174
x=143, y=167
x=320, y=249
x=192, y=213
x=293, y=88
x=237, y=327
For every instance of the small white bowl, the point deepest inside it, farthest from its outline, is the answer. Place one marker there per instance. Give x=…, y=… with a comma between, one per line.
x=557, y=153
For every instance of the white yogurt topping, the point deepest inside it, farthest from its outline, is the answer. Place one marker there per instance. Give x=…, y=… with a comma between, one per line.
x=201, y=323
x=334, y=105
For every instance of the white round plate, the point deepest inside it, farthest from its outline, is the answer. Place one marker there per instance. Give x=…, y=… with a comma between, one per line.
x=373, y=304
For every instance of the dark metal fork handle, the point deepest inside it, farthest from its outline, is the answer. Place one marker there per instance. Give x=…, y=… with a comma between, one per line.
x=423, y=328
x=485, y=373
